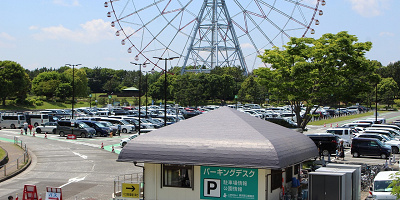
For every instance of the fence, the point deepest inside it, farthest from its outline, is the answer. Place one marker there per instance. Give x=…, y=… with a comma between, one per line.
x=15, y=165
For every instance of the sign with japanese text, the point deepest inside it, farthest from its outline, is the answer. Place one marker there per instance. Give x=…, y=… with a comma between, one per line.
x=228, y=183
x=53, y=196
x=130, y=190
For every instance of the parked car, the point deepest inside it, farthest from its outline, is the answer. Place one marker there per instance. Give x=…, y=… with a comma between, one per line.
x=64, y=128
x=380, y=188
x=125, y=141
x=113, y=128
x=345, y=134
x=385, y=140
x=370, y=147
x=352, y=125
x=101, y=130
x=328, y=142
x=48, y=127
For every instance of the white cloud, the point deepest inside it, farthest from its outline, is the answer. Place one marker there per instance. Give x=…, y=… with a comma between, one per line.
x=33, y=28
x=6, y=36
x=90, y=32
x=67, y=2
x=390, y=34
x=370, y=8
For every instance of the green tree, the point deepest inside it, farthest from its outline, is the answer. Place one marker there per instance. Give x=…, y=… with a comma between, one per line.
x=46, y=84
x=251, y=91
x=14, y=81
x=81, y=81
x=387, y=91
x=391, y=70
x=310, y=71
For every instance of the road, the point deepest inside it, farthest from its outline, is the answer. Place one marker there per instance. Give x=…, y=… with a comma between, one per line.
x=80, y=167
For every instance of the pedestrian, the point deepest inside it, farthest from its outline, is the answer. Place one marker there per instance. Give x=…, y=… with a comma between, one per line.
x=30, y=127
x=341, y=150
x=10, y=197
x=319, y=149
x=26, y=127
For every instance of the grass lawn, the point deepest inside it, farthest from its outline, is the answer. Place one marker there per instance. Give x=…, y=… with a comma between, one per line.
x=2, y=153
x=344, y=118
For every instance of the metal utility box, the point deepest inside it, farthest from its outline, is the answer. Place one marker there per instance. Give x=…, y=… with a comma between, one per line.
x=350, y=180
x=357, y=178
x=327, y=186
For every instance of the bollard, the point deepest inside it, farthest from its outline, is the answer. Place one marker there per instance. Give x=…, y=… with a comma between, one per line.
x=34, y=134
x=102, y=146
x=22, y=132
x=112, y=149
x=45, y=135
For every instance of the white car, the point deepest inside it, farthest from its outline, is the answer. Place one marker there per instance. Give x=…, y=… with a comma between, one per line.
x=126, y=140
x=48, y=127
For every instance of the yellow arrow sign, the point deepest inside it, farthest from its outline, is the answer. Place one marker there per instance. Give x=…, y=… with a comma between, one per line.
x=130, y=190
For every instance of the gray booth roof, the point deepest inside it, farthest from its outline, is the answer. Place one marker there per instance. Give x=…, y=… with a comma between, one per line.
x=222, y=137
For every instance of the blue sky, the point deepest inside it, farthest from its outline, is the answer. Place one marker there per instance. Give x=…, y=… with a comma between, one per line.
x=51, y=33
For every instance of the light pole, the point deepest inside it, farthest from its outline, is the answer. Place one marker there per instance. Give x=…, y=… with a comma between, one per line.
x=73, y=86
x=140, y=80
x=165, y=86
x=152, y=71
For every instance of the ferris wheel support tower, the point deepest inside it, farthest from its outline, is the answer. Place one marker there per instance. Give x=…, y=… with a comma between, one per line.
x=214, y=41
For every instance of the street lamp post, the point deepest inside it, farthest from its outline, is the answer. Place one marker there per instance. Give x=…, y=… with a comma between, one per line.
x=165, y=86
x=147, y=88
x=140, y=80
x=73, y=86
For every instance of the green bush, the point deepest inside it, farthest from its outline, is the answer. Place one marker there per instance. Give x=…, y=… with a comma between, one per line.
x=39, y=102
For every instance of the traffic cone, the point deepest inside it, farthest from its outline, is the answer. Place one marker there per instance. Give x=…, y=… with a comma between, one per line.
x=113, y=149
x=45, y=135
x=16, y=196
x=22, y=132
x=337, y=125
x=324, y=124
x=34, y=133
x=102, y=146
x=331, y=125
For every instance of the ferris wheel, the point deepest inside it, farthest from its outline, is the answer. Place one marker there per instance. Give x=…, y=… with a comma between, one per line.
x=209, y=33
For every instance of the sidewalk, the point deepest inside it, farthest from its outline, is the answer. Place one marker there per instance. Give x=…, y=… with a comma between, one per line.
x=14, y=152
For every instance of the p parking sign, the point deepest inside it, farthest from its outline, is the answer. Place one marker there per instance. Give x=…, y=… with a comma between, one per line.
x=228, y=183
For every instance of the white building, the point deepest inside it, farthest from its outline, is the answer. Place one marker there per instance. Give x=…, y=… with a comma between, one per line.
x=223, y=154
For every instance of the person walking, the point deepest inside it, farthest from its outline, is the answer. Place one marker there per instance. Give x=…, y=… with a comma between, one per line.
x=30, y=127
x=10, y=198
x=341, y=150
x=26, y=127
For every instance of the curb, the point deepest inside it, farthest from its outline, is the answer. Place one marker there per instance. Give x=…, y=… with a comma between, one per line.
x=19, y=170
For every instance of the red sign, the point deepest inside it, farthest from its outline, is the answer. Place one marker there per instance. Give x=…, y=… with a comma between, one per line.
x=30, y=192
x=72, y=137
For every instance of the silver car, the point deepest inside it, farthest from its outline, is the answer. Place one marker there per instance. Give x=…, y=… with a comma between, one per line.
x=48, y=127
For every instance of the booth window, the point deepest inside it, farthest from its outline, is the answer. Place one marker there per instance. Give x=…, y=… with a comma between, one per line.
x=289, y=172
x=178, y=176
x=276, y=179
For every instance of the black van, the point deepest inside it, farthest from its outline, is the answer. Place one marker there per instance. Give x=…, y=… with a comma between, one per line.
x=64, y=128
x=328, y=142
x=369, y=147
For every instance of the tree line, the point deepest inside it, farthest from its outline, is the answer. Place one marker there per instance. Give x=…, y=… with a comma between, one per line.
x=331, y=70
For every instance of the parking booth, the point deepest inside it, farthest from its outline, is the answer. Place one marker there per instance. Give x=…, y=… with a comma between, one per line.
x=223, y=154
